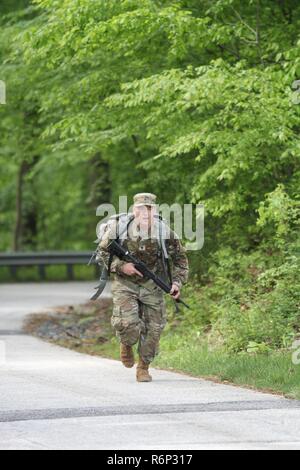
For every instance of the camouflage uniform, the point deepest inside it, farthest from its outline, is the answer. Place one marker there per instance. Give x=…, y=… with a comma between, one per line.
x=139, y=313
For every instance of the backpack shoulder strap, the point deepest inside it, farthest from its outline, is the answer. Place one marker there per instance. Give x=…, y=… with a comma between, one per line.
x=162, y=230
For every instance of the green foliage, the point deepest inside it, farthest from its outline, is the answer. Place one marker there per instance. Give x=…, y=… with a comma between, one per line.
x=279, y=216
x=251, y=304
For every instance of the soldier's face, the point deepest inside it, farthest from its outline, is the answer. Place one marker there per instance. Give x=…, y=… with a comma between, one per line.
x=144, y=215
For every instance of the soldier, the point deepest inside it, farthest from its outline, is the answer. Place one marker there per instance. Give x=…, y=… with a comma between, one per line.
x=139, y=312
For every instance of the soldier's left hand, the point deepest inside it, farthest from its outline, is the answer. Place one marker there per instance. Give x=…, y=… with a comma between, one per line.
x=175, y=291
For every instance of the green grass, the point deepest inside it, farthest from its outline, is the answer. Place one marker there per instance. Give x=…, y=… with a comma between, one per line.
x=273, y=372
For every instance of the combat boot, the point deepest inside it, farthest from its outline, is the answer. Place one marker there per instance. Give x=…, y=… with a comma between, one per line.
x=127, y=356
x=142, y=372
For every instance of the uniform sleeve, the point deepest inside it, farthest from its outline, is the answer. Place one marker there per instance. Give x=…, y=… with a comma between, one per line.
x=180, y=264
x=102, y=253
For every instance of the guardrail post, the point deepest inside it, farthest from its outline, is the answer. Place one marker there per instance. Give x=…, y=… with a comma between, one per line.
x=13, y=271
x=70, y=272
x=42, y=272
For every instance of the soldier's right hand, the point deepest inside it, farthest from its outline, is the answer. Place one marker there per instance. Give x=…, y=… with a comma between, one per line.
x=130, y=270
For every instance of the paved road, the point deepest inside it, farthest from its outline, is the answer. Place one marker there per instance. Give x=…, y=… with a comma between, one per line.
x=53, y=398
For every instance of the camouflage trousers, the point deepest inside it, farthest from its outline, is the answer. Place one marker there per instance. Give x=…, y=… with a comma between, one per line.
x=139, y=315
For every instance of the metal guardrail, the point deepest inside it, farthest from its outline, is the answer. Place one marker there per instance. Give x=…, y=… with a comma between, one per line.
x=70, y=259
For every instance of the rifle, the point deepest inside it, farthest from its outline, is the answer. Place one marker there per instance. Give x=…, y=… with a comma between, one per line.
x=116, y=249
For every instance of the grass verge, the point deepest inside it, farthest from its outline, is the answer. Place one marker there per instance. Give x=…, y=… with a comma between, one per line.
x=87, y=329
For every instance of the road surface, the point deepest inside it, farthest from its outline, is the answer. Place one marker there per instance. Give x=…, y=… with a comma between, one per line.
x=53, y=398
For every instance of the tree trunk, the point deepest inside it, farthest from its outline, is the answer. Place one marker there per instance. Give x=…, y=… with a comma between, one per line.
x=17, y=242
x=26, y=224
x=99, y=182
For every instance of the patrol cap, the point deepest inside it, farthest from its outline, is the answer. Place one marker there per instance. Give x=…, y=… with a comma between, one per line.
x=144, y=199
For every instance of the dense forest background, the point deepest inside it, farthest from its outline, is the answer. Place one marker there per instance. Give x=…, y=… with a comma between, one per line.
x=194, y=100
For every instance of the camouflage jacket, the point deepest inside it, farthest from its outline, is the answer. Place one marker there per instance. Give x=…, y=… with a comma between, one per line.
x=147, y=249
